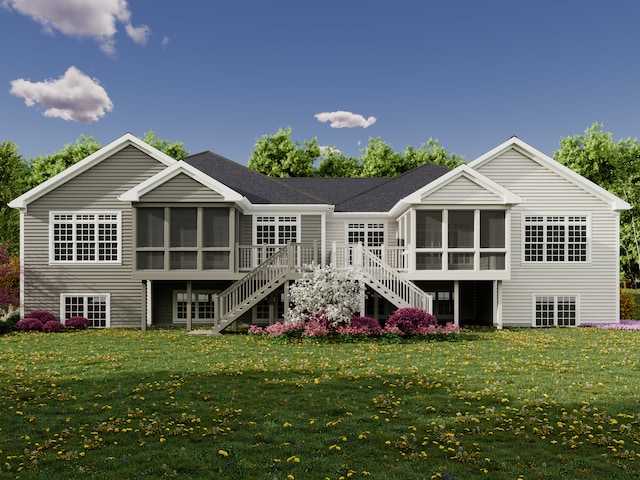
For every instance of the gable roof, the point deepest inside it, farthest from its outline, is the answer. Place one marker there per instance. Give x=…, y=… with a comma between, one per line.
x=256, y=187
x=514, y=143
x=501, y=194
x=83, y=165
x=179, y=168
x=383, y=197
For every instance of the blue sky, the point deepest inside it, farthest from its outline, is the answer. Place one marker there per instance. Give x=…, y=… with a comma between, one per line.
x=219, y=75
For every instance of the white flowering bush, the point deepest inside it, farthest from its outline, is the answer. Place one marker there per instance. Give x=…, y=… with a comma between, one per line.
x=336, y=292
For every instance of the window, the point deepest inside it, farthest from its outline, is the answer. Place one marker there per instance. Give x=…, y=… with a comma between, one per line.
x=202, y=306
x=555, y=311
x=189, y=238
x=93, y=307
x=85, y=237
x=555, y=238
x=461, y=240
x=368, y=234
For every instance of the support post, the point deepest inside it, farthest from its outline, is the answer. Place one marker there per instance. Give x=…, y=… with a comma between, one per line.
x=216, y=310
x=456, y=302
x=189, y=305
x=143, y=306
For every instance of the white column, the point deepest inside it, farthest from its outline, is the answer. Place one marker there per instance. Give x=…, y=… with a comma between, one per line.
x=456, y=302
x=497, y=295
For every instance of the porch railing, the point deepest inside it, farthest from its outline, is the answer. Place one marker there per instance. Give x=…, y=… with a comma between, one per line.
x=250, y=257
x=395, y=257
x=262, y=280
x=381, y=275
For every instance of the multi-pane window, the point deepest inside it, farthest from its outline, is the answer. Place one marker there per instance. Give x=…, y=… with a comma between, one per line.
x=555, y=238
x=461, y=239
x=202, y=305
x=368, y=234
x=85, y=237
x=190, y=238
x=94, y=308
x=552, y=310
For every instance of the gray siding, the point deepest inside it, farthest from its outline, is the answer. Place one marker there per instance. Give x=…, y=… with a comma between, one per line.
x=461, y=191
x=545, y=192
x=311, y=231
x=182, y=188
x=95, y=189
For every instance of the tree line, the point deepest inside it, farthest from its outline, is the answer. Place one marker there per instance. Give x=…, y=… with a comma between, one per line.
x=614, y=165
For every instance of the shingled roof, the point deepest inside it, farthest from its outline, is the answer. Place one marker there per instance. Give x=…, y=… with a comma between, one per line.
x=346, y=194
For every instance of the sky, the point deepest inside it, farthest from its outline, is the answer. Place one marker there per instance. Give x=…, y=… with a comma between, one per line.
x=218, y=76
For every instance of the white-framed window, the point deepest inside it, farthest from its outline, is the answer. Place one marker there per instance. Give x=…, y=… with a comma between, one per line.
x=368, y=234
x=276, y=229
x=202, y=305
x=555, y=238
x=95, y=307
x=555, y=310
x=85, y=237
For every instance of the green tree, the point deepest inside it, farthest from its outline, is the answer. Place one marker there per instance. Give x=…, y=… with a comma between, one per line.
x=45, y=167
x=430, y=152
x=278, y=156
x=173, y=149
x=380, y=160
x=614, y=166
x=14, y=174
x=337, y=164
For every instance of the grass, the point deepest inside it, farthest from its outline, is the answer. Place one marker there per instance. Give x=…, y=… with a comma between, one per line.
x=112, y=404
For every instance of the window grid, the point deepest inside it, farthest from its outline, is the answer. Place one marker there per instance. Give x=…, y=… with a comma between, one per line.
x=555, y=239
x=369, y=234
x=85, y=237
x=202, y=305
x=561, y=311
x=93, y=307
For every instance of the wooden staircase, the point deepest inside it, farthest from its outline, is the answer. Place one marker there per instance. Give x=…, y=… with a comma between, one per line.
x=387, y=281
x=287, y=263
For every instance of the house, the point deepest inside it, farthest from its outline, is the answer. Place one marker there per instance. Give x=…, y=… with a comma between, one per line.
x=129, y=237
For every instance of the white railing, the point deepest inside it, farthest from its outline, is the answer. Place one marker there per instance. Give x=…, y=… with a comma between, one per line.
x=250, y=257
x=395, y=257
x=381, y=274
x=271, y=272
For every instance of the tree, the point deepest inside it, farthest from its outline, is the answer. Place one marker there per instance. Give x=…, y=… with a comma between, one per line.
x=278, y=156
x=380, y=160
x=337, y=164
x=430, y=152
x=45, y=167
x=173, y=149
x=614, y=166
x=13, y=183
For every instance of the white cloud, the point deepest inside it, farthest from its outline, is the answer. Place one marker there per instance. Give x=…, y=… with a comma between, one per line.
x=341, y=119
x=325, y=151
x=165, y=41
x=83, y=18
x=74, y=96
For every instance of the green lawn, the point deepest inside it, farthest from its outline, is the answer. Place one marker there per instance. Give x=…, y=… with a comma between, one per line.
x=114, y=404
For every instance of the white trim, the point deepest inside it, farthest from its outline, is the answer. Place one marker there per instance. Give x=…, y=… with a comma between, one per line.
x=254, y=222
x=52, y=260
x=83, y=165
x=523, y=238
x=22, y=263
x=555, y=296
x=548, y=162
x=136, y=193
x=107, y=297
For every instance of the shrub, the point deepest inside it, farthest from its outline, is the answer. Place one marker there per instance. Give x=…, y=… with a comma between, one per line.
x=627, y=305
x=29, y=324
x=52, y=326
x=361, y=326
x=43, y=315
x=77, y=323
x=8, y=324
x=9, y=278
x=411, y=321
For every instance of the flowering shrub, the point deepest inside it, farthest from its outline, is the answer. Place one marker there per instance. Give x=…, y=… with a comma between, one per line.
x=412, y=321
x=8, y=324
x=623, y=325
x=9, y=279
x=52, y=326
x=43, y=315
x=361, y=326
x=29, y=324
x=319, y=327
x=334, y=291
x=77, y=323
